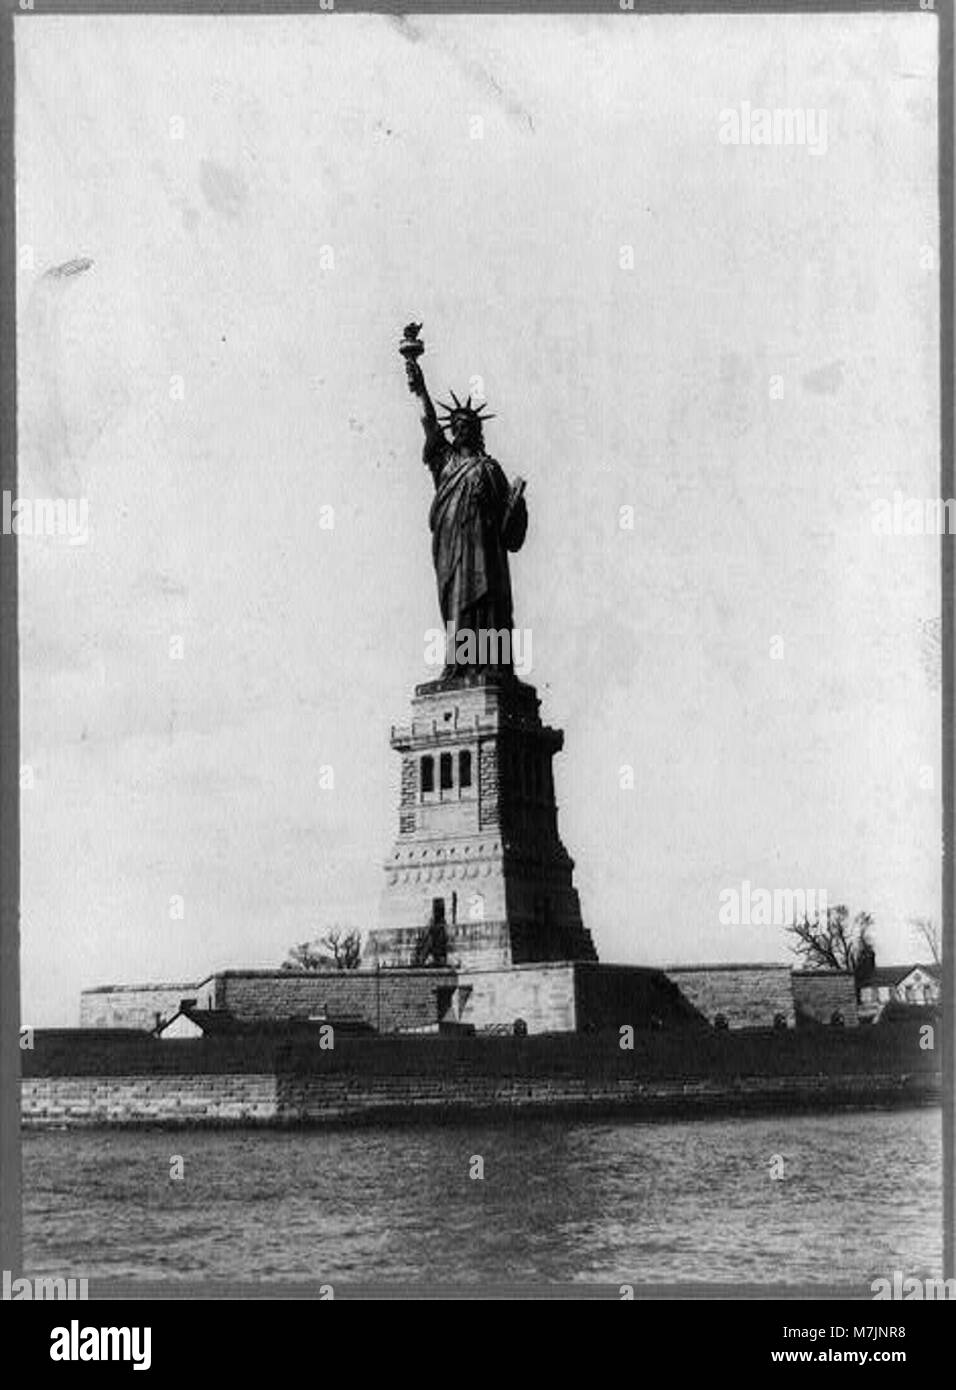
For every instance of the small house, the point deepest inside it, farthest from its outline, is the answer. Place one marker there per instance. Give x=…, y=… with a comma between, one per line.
x=898, y=984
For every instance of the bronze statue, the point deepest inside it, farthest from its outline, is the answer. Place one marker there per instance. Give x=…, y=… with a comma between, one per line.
x=476, y=518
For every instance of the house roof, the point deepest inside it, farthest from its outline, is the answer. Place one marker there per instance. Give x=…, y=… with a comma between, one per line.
x=164, y=1023
x=889, y=975
x=219, y=1022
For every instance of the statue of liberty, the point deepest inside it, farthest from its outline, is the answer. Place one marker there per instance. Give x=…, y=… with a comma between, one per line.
x=476, y=518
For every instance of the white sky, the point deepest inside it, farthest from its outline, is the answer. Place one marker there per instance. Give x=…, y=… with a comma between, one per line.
x=650, y=387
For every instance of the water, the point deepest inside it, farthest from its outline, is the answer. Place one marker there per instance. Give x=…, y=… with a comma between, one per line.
x=610, y=1202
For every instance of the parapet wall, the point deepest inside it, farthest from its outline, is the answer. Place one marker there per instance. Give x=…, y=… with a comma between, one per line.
x=134, y=1006
x=609, y=996
x=746, y=996
x=549, y=997
x=819, y=994
x=390, y=1001
x=541, y=996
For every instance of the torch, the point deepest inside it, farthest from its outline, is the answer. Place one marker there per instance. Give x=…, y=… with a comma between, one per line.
x=411, y=347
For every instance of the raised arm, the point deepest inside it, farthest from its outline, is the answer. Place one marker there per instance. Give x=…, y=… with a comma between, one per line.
x=434, y=435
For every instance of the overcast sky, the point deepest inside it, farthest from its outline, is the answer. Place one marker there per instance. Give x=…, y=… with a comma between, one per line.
x=265, y=203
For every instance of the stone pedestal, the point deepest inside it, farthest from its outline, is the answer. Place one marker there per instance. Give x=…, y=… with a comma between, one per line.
x=478, y=864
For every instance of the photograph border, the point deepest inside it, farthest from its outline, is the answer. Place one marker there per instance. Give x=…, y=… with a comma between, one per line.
x=24, y=12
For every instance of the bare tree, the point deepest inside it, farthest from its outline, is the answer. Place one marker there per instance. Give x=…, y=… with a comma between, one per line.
x=346, y=947
x=306, y=957
x=928, y=933
x=836, y=943
x=338, y=949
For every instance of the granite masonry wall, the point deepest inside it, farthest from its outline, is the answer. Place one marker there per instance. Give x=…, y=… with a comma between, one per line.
x=542, y=996
x=548, y=996
x=390, y=1000
x=323, y=1099
x=609, y=996
x=213, y=1082
x=133, y=1006
x=748, y=996
x=207, y=1099
x=569, y=996
x=819, y=994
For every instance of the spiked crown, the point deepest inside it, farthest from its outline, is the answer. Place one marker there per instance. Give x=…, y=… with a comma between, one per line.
x=455, y=412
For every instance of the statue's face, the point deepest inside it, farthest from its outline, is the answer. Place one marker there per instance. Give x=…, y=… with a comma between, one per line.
x=466, y=432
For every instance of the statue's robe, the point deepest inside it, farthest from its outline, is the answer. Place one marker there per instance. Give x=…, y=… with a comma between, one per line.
x=473, y=528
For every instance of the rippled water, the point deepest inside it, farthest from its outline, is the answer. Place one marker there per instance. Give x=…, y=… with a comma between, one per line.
x=612, y=1202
